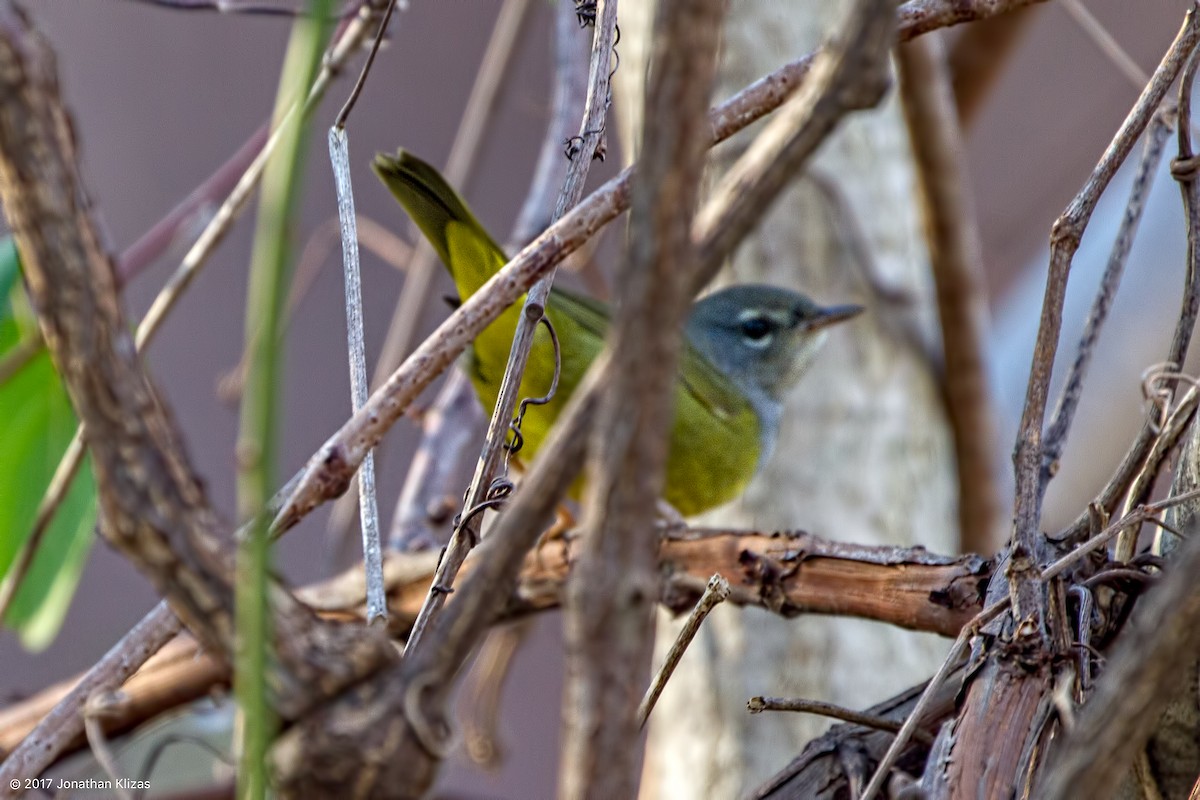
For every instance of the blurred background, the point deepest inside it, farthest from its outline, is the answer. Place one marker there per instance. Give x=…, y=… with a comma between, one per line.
x=161, y=98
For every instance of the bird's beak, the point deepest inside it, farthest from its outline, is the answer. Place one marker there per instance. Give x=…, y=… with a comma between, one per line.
x=831, y=315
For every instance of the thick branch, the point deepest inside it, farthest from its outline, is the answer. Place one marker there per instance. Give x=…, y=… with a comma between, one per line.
x=609, y=626
x=788, y=573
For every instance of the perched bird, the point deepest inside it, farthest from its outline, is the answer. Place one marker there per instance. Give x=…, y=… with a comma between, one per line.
x=746, y=347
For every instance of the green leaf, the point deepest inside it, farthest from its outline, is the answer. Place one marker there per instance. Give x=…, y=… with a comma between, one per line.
x=10, y=268
x=36, y=424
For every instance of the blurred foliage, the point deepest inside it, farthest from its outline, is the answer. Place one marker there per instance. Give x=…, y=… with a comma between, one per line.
x=36, y=425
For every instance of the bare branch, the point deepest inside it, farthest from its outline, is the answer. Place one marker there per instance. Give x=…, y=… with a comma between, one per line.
x=788, y=573
x=1072, y=391
x=610, y=597
x=757, y=705
x=715, y=593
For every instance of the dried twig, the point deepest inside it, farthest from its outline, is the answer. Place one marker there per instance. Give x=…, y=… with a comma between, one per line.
x=343, y=115
x=956, y=258
x=1133, y=520
x=492, y=667
x=715, y=593
x=1107, y=43
x=757, y=705
x=1176, y=424
x=95, y=709
x=1072, y=391
x=372, y=547
x=1183, y=170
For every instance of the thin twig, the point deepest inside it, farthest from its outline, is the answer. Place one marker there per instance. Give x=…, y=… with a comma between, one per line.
x=339, y=122
x=1172, y=431
x=590, y=129
x=715, y=593
x=757, y=705
x=94, y=710
x=956, y=258
x=1183, y=169
x=155, y=241
x=1072, y=391
x=1107, y=43
x=493, y=665
x=372, y=547
x=1133, y=519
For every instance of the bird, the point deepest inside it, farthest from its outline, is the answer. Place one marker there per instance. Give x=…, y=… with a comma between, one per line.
x=746, y=347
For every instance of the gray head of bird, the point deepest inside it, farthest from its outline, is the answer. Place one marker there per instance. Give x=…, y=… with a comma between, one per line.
x=763, y=338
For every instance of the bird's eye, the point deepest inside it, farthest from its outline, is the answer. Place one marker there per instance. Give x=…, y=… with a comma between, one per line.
x=756, y=329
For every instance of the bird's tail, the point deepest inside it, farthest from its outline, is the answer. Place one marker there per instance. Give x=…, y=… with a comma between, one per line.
x=464, y=245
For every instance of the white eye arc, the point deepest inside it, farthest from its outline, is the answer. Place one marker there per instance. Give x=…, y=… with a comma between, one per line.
x=757, y=330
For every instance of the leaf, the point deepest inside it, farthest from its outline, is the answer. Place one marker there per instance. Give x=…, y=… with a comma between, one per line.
x=10, y=267
x=36, y=424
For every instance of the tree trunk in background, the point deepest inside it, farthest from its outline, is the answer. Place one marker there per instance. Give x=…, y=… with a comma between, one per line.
x=864, y=453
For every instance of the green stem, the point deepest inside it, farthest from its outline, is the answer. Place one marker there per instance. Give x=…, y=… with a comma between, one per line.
x=257, y=441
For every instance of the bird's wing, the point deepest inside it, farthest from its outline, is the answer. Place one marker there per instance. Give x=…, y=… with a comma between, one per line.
x=589, y=314
x=709, y=386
